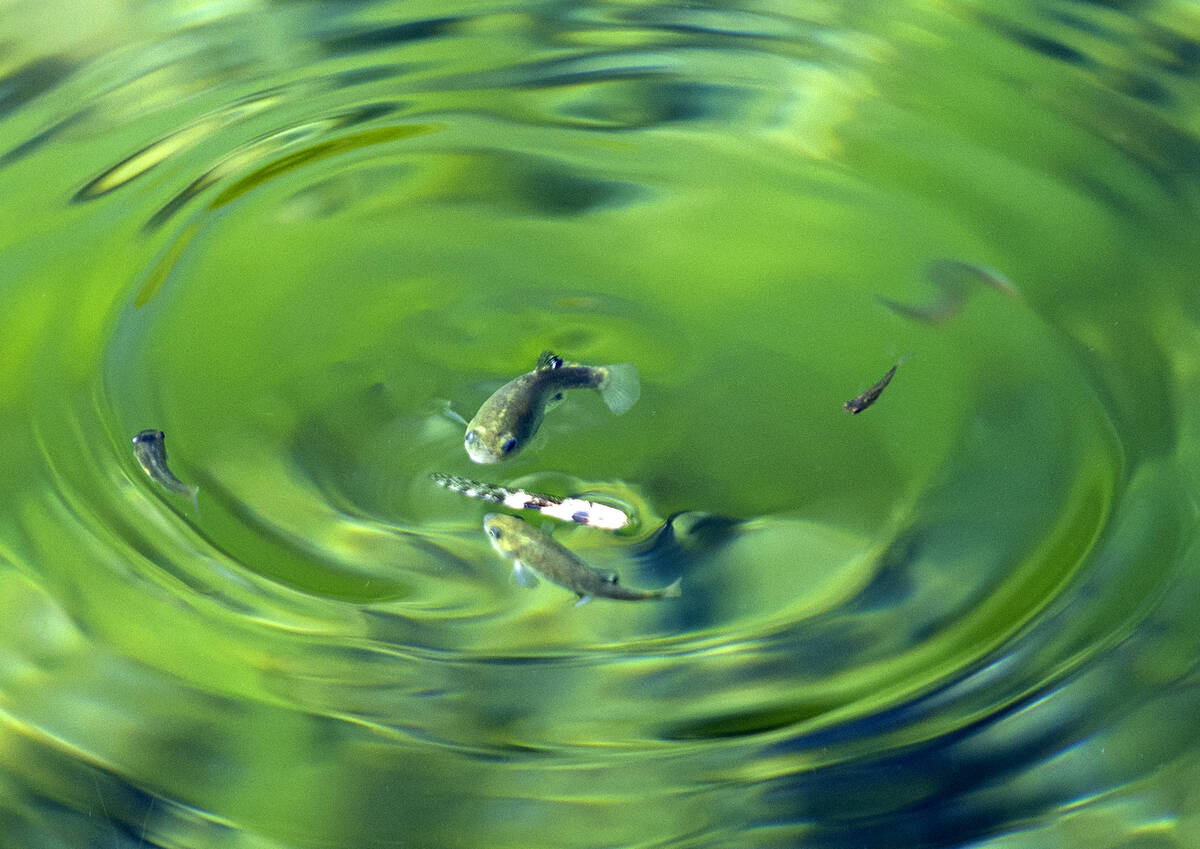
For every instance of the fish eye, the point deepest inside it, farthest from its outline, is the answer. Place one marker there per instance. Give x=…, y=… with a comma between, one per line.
x=472, y=437
x=509, y=444
x=494, y=532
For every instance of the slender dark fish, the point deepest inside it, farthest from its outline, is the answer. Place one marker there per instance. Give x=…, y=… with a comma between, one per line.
x=955, y=281
x=578, y=510
x=860, y=402
x=511, y=416
x=534, y=553
x=954, y=275
x=150, y=449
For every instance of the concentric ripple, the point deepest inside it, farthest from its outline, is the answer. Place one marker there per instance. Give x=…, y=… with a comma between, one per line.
x=302, y=240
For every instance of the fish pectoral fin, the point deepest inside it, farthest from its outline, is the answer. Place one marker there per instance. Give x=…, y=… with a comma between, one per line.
x=446, y=409
x=537, y=442
x=524, y=575
x=583, y=599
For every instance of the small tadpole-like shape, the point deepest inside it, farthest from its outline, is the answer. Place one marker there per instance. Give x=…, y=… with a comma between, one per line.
x=955, y=282
x=860, y=402
x=150, y=449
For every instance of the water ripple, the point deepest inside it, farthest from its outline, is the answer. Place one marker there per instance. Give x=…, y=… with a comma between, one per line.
x=298, y=239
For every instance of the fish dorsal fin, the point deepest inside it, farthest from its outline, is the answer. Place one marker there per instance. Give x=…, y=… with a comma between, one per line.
x=548, y=360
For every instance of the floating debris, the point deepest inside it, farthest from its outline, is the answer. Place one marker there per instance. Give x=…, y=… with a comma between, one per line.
x=955, y=280
x=860, y=402
x=576, y=510
x=150, y=449
x=534, y=553
x=512, y=415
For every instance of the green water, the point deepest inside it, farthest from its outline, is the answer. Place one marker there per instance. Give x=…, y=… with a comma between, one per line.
x=291, y=235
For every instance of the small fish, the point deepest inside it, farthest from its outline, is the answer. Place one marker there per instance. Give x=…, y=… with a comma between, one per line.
x=860, y=402
x=534, y=553
x=956, y=281
x=954, y=275
x=150, y=449
x=577, y=510
x=511, y=416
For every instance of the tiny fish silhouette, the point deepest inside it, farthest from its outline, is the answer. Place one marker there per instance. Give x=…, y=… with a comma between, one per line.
x=860, y=402
x=955, y=281
x=150, y=449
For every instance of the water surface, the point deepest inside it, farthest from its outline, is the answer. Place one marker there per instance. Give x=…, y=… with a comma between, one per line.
x=290, y=235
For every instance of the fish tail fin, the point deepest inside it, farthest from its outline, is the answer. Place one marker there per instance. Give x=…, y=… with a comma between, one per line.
x=620, y=387
x=674, y=590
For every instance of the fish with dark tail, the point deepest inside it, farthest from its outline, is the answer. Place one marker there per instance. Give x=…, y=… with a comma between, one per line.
x=534, y=553
x=512, y=415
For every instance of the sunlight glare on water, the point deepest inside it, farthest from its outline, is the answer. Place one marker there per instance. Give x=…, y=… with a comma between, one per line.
x=305, y=240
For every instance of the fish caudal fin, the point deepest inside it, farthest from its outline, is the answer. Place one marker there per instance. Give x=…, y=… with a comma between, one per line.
x=620, y=388
x=674, y=590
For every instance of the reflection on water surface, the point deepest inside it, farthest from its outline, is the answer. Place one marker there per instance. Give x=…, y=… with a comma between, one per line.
x=294, y=236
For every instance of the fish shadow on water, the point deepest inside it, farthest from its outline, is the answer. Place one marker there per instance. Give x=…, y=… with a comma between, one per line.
x=673, y=551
